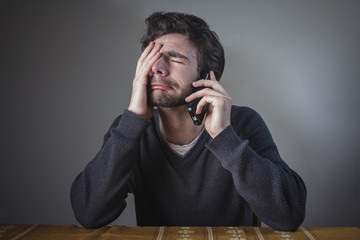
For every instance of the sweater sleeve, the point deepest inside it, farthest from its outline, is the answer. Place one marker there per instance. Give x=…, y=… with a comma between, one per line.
x=276, y=193
x=98, y=193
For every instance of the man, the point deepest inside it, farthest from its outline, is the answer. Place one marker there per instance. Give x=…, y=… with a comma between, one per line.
x=216, y=174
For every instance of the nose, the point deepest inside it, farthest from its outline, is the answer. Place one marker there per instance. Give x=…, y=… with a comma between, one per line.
x=160, y=68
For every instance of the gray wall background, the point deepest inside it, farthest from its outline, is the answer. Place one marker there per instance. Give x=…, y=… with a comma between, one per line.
x=66, y=72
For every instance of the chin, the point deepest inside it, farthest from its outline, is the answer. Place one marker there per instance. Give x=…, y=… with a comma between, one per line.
x=166, y=102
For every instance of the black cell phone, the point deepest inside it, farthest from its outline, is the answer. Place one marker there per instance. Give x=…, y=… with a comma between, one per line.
x=198, y=118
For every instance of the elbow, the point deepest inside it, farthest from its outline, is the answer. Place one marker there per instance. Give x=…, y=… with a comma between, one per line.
x=289, y=224
x=92, y=215
x=285, y=222
x=88, y=223
x=287, y=219
x=91, y=223
x=93, y=220
x=294, y=213
x=83, y=213
x=85, y=217
x=290, y=220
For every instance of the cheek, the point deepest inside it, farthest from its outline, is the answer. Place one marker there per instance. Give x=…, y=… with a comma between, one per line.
x=190, y=75
x=185, y=75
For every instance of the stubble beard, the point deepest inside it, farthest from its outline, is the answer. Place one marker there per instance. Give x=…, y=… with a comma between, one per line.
x=172, y=98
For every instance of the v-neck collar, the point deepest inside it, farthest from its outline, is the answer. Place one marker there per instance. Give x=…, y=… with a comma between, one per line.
x=175, y=159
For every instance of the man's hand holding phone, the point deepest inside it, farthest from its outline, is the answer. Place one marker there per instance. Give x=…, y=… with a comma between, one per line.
x=198, y=118
x=220, y=102
x=138, y=102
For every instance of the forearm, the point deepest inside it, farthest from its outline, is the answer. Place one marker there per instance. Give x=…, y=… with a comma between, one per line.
x=98, y=193
x=275, y=192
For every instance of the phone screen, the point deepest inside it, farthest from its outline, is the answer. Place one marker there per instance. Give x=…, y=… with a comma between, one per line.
x=198, y=118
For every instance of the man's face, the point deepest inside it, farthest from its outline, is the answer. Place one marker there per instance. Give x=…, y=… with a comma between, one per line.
x=171, y=75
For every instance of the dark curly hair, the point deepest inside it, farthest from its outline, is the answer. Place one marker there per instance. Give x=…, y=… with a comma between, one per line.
x=210, y=51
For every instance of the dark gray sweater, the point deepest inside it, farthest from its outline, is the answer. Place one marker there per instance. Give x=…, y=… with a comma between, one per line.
x=219, y=182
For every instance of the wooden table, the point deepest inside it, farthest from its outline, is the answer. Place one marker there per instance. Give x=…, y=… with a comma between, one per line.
x=70, y=232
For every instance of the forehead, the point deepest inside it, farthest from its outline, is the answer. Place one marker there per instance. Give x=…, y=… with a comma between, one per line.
x=178, y=43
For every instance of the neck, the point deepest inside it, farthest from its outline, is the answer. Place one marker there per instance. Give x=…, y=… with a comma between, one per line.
x=177, y=126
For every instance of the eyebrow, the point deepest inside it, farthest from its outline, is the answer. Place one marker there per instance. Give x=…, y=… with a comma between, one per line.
x=177, y=55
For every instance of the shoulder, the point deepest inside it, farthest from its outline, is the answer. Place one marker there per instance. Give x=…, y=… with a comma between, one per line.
x=243, y=113
x=246, y=121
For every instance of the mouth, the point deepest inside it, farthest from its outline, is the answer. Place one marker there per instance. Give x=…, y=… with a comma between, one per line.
x=160, y=86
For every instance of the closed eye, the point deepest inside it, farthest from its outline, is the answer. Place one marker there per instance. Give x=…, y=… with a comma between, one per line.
x=176, y=61
x=177, y=57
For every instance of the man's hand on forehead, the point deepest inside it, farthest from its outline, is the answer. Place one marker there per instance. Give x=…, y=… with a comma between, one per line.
x=138, y=102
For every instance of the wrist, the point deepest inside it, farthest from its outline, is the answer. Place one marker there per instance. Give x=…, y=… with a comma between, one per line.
x=215, y=132
x=144, y=114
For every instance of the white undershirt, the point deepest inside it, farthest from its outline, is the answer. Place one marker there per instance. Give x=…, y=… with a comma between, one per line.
x=181, y=150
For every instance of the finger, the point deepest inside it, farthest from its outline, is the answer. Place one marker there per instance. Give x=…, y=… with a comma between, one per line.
x=212, y=75
x=213, y=101
x=142, y=75
x=148, y=48
x=213, y=84
x=149, y=61
x=146, y=52
x=204, y=92
x=153, y=51
x=146, y=63
x=149, y=52
x=205, y=100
